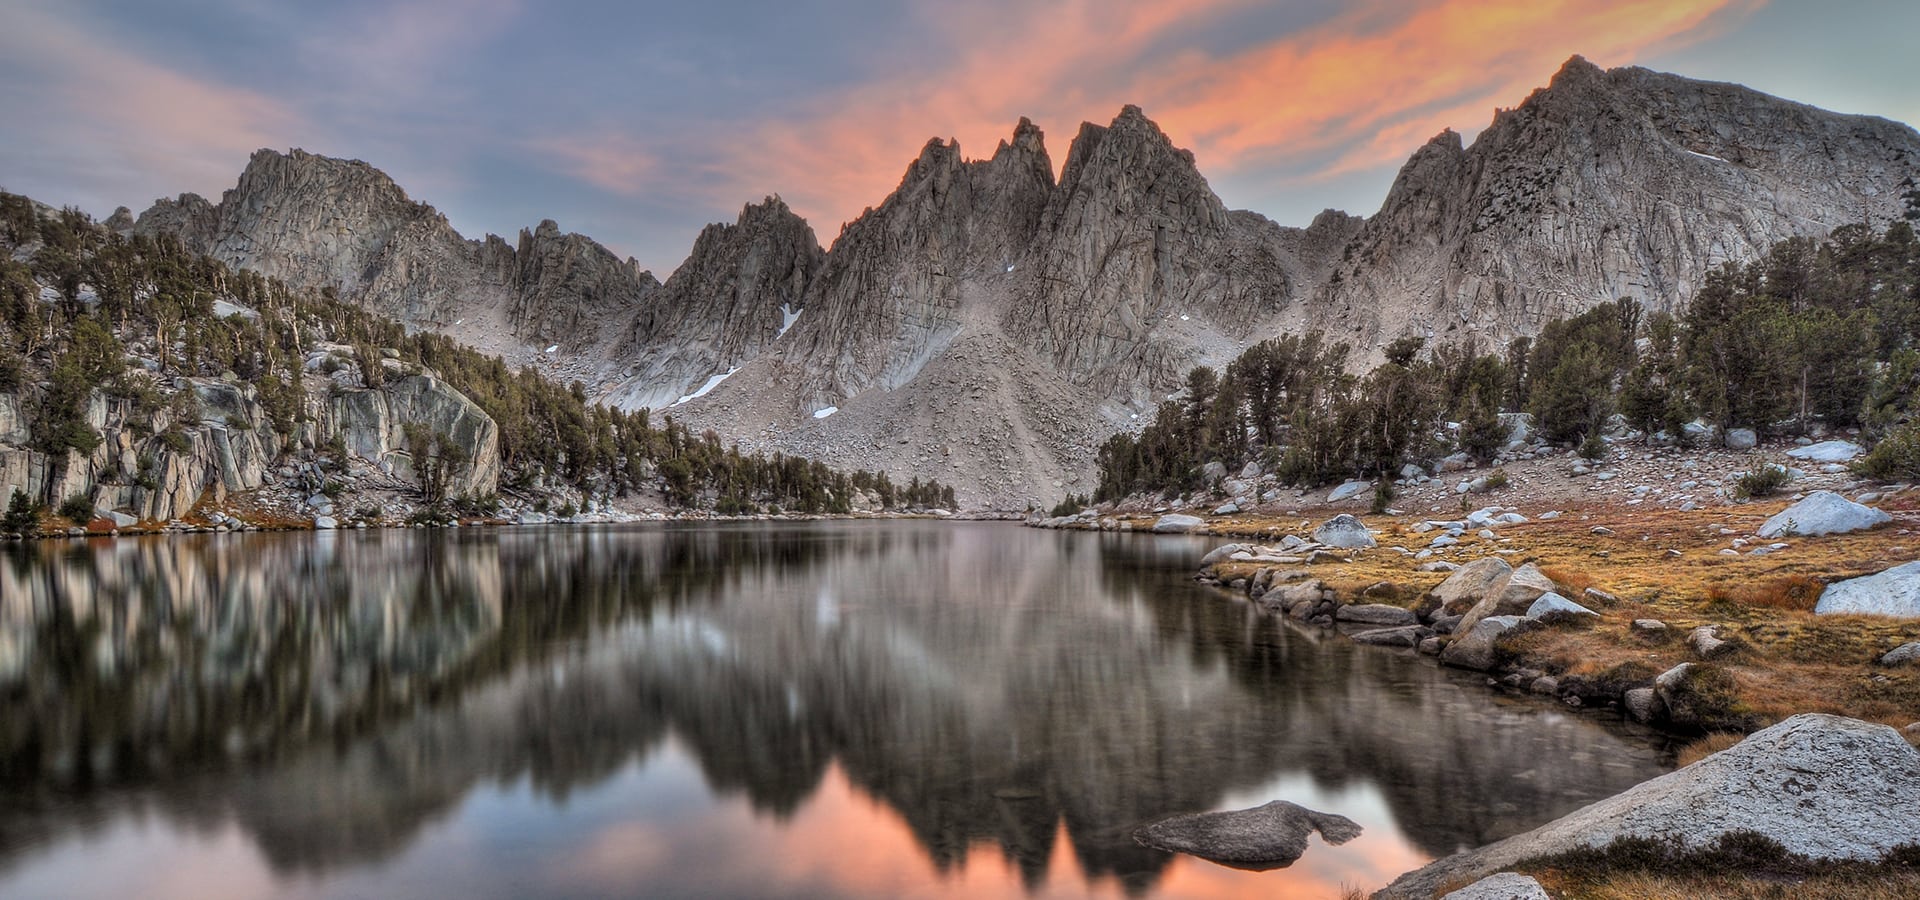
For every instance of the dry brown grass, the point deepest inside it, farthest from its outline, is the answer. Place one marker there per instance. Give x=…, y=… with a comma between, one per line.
x=1646, y=886
x=1707, y=746
x=1794, y=661
x=1792, y=592
x=1574, y=580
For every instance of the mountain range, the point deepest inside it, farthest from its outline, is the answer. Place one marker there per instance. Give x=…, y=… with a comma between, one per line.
x=989, y=325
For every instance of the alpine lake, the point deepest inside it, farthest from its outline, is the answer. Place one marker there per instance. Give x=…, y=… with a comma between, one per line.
x=798, y=709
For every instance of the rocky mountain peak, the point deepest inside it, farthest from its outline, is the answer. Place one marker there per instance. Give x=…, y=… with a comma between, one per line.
x=742, y=288
x=1576, y=71
x=189, y=217
x=1607, y=184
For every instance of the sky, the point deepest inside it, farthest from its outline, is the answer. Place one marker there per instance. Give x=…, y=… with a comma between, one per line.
x=638, y=122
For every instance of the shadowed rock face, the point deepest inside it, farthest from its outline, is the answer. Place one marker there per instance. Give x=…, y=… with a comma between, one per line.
x=744, y=285
x=336, y=695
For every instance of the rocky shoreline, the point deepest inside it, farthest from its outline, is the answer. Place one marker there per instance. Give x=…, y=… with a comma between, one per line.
x=1665, y=617
x=224, y=523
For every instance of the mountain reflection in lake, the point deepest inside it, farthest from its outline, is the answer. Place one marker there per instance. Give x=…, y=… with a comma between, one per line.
x=818, y=710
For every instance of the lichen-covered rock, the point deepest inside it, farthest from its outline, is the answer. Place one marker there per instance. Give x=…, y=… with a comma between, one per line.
x=1344, y=531
x=1552, y=604
x=1822, y=512
x=1821, y=786
x=1892, y=592
x=1470, y=583
x=1504, y=886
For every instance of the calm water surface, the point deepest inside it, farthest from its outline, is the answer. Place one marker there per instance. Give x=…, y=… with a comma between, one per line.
x=831, y=710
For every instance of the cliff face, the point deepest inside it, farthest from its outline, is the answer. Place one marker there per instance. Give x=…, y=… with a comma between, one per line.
x=156, y=466
x=1603, y=185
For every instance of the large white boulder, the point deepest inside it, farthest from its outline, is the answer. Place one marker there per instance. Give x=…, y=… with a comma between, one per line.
x=1893, y=592
x=1348, y=491
x=1822, y=512
x=1470, y=583
x=1551, y=603
x=1824, y=787
x=1177, y=523
x=1827, y=451
x=1344, y=531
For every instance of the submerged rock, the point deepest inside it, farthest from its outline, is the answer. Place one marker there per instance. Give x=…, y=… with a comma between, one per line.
x=1822, y=512
x=1824, y=787
x=1264, y=837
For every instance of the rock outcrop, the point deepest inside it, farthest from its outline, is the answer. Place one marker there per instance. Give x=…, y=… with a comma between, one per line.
x=1504, y=886
x=374, y=423
x=1824, y=787
x=155, y=466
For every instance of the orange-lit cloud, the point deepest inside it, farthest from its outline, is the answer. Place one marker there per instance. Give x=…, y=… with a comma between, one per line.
x=1357, y=91
x=1378, y=95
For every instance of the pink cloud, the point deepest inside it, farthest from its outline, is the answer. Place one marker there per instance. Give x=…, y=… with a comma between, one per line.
x=607, y=160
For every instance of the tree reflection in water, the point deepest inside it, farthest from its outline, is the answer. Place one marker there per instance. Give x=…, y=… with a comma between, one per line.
x=335, y=695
